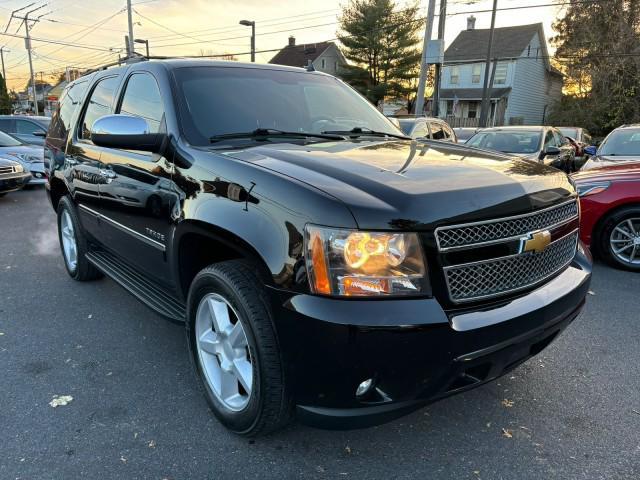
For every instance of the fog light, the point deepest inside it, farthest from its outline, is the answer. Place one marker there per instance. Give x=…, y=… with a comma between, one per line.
x=364, y=387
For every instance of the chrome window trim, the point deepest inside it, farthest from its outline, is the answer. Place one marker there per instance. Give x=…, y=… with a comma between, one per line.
x=517, y=289
x=503, y=219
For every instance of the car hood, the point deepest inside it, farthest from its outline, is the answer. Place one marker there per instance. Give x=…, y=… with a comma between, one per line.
x=24, y=150
x=605, y=160
x=625, y=170
x=416, y=185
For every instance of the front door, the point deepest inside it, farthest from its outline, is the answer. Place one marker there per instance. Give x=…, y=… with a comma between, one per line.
x=83, y=170
x=138, y=200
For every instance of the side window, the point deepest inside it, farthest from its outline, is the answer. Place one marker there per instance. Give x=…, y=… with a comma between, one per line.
x=421, y=131
x=99, y=105
x=560, y=140
x=437, y=133
x=25, y=127
x=142, y=99
x=5, y=125
x=69, y=102
x=549, y=139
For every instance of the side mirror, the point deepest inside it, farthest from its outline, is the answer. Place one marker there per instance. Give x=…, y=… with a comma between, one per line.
x=591, y=150
x=549, y=151
x=39, y=133
x=125, y=132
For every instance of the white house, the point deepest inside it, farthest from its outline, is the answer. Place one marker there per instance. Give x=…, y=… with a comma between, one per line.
x=525, y=85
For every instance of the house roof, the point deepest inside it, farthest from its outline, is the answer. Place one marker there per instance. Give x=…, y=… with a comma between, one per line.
x=299, y=55
x=507, y=42
x=471, y=93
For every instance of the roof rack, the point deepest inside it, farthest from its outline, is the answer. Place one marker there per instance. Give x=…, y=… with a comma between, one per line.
x=126, y=60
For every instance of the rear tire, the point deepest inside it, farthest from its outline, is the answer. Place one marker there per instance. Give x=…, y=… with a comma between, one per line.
x=73, y=243
x=256, y=400
x=621, y=230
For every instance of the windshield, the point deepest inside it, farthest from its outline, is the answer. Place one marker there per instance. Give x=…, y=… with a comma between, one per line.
x=507, y=142
x=406, y=126
x=569, y=132
x=464, y=133
x=224, y=100
x=622, y=142
x=7, y=140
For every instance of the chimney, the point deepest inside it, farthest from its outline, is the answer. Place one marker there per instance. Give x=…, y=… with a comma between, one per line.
x=471, y=22
x=292, y=41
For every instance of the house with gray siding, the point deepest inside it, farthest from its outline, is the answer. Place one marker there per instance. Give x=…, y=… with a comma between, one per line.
x=524, y=87
x=323, y=56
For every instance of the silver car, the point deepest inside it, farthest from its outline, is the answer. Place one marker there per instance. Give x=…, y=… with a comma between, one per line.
x=29, y=156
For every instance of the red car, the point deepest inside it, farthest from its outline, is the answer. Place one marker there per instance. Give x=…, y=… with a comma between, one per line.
x=610, y=204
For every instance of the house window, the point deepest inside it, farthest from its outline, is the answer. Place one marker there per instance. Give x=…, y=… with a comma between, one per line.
x=323, y=63
x=501, y=74
x=475, y=73
x=473, y=110
x=449, y=108
x=455, y=75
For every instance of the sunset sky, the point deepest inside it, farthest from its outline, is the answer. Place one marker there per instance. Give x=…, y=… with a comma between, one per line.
x=190, y=27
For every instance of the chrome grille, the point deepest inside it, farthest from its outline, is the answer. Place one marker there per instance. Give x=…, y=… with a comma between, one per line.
x=6, y=170
x=489, y=278
x=462, y=236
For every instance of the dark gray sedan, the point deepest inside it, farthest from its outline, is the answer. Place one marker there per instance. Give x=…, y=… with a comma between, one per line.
x=29, y=129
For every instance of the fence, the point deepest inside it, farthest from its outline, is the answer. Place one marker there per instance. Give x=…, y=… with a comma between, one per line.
x=456, y=122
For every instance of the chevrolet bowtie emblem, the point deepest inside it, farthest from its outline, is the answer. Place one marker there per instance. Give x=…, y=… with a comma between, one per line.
x=535, y=242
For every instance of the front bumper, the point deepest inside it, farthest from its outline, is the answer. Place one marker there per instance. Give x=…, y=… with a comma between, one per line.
x=415, y=351
x=15, y=181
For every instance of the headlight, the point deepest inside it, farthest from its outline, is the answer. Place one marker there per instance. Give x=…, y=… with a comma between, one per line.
x=357, y=263
x=19, y=168
x=592, y=188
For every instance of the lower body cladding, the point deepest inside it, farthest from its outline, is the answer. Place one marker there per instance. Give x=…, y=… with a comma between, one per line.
x=357, y=363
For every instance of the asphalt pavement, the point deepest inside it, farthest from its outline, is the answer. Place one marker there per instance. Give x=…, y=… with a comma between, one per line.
x=573, y=412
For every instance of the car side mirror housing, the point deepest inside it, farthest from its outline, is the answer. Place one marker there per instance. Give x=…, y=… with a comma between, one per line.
x=126, y=132
x=39, y=133
x=549, y=151
x=591, y=150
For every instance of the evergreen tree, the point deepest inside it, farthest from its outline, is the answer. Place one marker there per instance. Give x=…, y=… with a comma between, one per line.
x=598, y=50
x=382, y=42
x=6, y=105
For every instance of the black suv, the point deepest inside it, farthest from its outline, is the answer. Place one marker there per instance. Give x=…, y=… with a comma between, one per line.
x=325, y=266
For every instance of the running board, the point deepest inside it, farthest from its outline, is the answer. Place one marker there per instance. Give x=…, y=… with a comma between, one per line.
x=138, y=285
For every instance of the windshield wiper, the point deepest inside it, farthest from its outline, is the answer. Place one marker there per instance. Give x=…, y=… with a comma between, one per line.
x=359, y=131
x=271, y=132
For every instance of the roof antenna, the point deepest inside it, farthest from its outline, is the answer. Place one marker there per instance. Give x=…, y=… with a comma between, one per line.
x=309, y=67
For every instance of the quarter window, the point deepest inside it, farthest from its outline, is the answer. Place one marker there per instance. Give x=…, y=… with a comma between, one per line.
x=455, y=75
x=475, y=73
x=99, y=104
x=500, y=77
x=549, y=139
x=142, y=99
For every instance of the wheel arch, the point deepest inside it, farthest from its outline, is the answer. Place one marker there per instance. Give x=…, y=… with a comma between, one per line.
x=57, y=190
x=596, y=232
x=198, y=244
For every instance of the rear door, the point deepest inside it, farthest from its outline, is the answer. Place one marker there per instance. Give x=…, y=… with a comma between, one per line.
x=138, y=199
x=29, y=131
x=83, y=170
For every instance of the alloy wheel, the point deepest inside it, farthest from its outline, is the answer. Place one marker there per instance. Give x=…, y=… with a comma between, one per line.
x=625, y=241
x=69, y=243
x=223, y=352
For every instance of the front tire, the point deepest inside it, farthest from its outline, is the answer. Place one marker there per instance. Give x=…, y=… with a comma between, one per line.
x=234, y=349
x=620, y=238
x=73, y=243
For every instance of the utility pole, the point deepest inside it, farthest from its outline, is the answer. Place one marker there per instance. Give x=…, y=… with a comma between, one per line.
x=130, y=37
x=2, y=50
x=27, y=43
x=424, y=68
x=436, y=92
x=486, y=89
